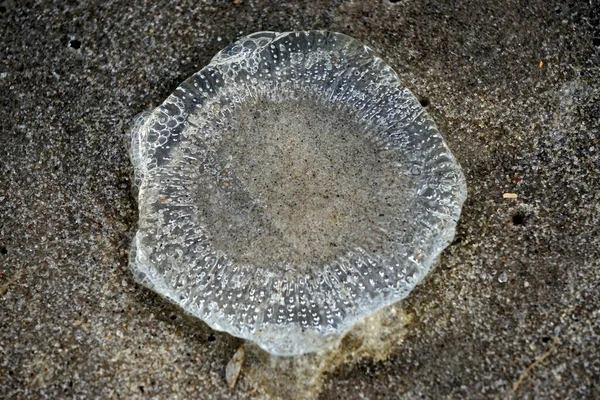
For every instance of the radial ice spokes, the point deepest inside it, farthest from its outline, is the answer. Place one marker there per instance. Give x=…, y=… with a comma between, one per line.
x=291, y=188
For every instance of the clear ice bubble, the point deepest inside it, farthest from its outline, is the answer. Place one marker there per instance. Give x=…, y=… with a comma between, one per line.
x=289, y=189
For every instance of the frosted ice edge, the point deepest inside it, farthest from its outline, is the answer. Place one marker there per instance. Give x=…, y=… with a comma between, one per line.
x=285, y=313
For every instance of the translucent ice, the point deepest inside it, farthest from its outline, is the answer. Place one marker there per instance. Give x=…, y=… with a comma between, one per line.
x=289, y=189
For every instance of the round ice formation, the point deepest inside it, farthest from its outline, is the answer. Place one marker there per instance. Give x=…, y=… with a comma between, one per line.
x=289, y=189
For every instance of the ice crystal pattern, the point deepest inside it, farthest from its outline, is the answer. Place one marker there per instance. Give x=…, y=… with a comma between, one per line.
x=289, y=189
